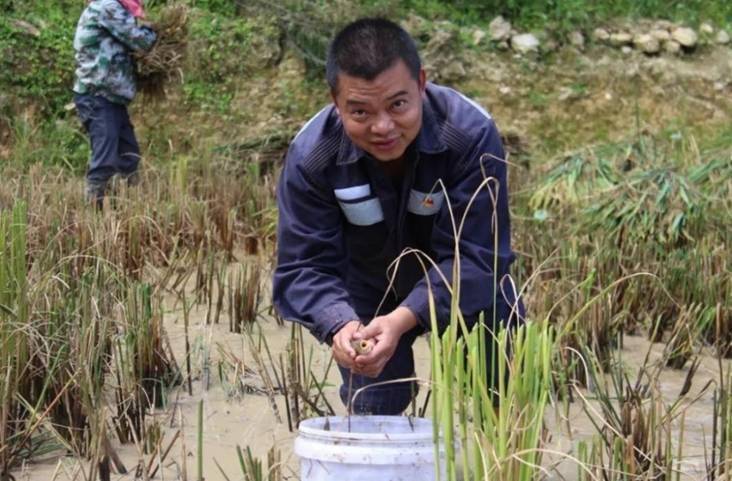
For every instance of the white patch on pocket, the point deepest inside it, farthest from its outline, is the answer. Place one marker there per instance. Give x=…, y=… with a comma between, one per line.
x=421, y=203
x=353, y=193
x=363, y=213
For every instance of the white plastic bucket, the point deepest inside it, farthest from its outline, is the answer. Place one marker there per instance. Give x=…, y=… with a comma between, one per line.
x=383, y=448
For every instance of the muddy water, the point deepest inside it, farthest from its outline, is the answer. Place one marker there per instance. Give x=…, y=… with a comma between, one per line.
x=695, y=410
x=248, y=419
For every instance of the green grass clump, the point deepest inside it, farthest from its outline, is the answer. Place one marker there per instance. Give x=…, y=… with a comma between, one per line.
x=36, y=52
x=491, y=416
x=59, y=142
x=647, y=206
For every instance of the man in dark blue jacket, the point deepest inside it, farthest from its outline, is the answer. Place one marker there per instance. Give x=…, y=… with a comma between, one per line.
x=393, y=166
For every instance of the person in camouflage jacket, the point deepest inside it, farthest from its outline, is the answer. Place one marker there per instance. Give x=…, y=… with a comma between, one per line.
x=106, y=36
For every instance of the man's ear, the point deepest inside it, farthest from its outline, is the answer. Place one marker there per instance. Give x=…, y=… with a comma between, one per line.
x=422, y=81
x=333, y=98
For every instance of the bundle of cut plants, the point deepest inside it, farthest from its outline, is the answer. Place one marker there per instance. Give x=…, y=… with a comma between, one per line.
x=163, y=63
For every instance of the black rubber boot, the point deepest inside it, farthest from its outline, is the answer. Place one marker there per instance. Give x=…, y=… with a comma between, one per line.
x=94, y=193
x=132, y=179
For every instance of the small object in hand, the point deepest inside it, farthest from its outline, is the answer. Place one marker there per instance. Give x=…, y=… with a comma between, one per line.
x=362, y=346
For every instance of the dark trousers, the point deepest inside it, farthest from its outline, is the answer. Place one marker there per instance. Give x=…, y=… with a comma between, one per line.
x=394, y=398
x=112, y=136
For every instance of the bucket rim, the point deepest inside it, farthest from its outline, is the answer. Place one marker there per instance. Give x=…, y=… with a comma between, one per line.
x=308, y=428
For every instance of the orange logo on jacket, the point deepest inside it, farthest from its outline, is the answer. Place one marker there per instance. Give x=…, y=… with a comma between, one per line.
x=428, y=202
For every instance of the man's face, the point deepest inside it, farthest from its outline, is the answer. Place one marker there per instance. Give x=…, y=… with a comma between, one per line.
x=381, y=116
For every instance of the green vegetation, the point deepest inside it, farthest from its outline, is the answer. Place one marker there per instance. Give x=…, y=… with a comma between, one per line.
x=644, y=205
x=61, y=143
x=495, y=418
x=234, y=39
x=36, y=52
x=571, y=14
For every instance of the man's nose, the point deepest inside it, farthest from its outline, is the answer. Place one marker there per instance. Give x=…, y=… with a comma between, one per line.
x=383, y=125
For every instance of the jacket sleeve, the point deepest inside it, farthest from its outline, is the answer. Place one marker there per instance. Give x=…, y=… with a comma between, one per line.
x=484, y=248
x=122, y=26
x=308, y=285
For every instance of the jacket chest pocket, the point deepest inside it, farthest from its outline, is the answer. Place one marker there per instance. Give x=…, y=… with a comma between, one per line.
x=425, y=204
x=362, y=212
x=359, y=205
x=422, y=207
x=365, y=228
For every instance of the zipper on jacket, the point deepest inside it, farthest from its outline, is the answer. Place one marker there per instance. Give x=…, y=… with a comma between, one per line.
x=407, y=183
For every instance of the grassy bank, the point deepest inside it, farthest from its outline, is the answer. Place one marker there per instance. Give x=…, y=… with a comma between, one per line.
x=567, y=15
x=232, y=40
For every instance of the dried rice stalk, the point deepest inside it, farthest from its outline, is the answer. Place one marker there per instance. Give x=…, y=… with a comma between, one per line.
x=163, y=63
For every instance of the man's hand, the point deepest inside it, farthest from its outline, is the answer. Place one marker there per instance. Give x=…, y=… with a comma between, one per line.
x=385, y=331
x=343, y=352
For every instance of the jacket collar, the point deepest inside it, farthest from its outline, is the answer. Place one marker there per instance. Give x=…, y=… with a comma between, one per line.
x=428, y=139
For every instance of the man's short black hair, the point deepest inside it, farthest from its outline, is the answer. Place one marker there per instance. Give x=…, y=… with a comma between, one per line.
x=367, y=47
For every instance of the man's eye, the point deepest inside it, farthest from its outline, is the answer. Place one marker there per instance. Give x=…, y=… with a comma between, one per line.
x=358, y=113
x=399, y=104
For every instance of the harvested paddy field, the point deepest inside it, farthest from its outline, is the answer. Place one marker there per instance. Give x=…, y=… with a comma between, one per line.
x=246, y=418
x=139, y=340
